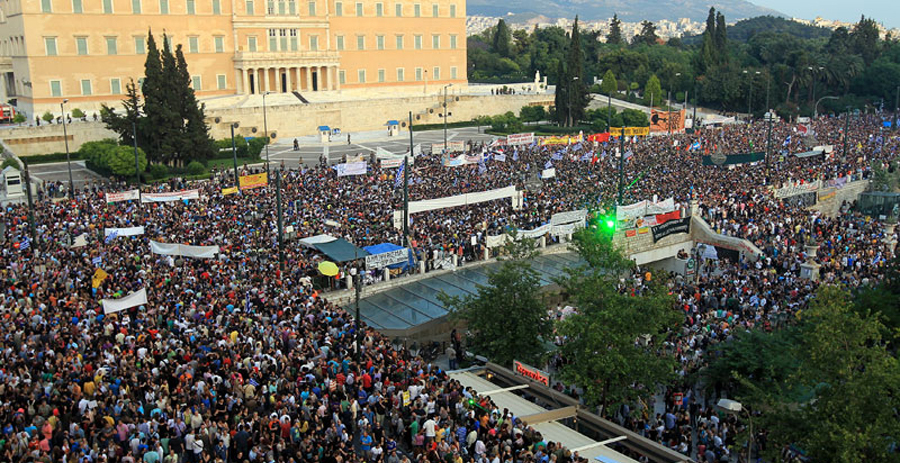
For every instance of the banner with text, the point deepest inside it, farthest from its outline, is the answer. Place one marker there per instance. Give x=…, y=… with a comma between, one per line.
x=186, y=250
x=170, y=196
x=452, y=147
x=351, y=168
x=384, y=259
x=568, y=217
x=129, y=231
x=630, y=131
x=520, y=139
x=248, y=182
x=123, y=196
x=799, y=189
x=671, y=227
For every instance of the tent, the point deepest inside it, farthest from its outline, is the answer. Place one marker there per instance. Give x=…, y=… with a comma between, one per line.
x=388, y=247
x=340, y=250
x=312, y=241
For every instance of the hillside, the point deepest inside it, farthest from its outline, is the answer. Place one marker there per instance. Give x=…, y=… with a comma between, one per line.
x=747, y=28
x=629, y=11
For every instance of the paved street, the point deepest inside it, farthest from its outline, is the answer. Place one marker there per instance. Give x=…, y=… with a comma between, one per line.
x=58, y=171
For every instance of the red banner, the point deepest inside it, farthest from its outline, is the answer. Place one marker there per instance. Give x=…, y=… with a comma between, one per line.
x=599, y=137
x=663, y=218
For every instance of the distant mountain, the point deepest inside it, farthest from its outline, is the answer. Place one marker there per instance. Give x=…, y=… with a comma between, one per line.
x=745, y=29
x=628, y=10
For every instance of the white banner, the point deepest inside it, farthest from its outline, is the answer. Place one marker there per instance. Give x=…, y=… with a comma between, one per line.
x=132, y=300
x=661, y=207
x=387, y=258
x=799, y=189
x=452, y=147
x=520, y=139
x=548, y=173
x=130, y=231
x=168, y=249
x=123, y=196
x=565, y=230
x=461, y=200
x=496, y=241
x=537, y=232
x=642, y=208
x=351, y=168
x=170, y=196
x=500, y=157
x=80, y=241
x=568, y=217
x=391, y=163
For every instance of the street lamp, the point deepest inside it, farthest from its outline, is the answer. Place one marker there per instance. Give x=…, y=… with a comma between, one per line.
x=735, y=408
x=569, y=97
x=813, y=71
x=846, y=131
x=66, y=139
x=750, y=96
x=266, y=131
x=445, y=116
x=816, y=108
x=769, y=117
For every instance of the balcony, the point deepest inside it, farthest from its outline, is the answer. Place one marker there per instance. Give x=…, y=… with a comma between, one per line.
x=244, y=59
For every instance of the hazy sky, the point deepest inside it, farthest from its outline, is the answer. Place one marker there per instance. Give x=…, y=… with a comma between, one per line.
x=883, y=11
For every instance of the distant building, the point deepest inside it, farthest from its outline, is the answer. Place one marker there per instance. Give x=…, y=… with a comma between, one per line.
x=87, y=50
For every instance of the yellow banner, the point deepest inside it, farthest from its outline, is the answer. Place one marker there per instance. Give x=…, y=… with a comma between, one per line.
x=630, y=131
x=564, y=140
x=229, y=191
x=99, y=276
x=253, y=181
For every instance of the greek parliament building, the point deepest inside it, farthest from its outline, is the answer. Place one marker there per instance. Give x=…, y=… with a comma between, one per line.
x=87, y=50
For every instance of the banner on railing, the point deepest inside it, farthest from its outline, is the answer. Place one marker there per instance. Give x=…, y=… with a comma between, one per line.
x=170, y=196
x=384, y=259
x=568, y=217
x=123, y=196
x=351, y=168
x=799, y=189
x=671, y=227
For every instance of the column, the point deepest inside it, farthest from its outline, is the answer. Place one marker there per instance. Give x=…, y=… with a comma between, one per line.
x=287, y=73
x=332, y=77
x=309, y=86
x=266, y=78
x=278, y=80
x=337, y=78
x=245, y=75
x=320, y=76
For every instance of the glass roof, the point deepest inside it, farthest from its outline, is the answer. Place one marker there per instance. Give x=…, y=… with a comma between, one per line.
x=417, y=302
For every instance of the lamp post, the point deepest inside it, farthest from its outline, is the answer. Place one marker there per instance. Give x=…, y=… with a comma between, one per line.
x=750, y=96
x=896, y=108
x=445, y=118
x=280, y=221
x=234, y=155
x=769, y=117
x=609, y=111
x=266, y=131
x=669, y=113
x=735, y=408
x=569, y=97
x=846, y=131
x=406, y=182
x=68, y=159
x=816, y=108
x=137, y=164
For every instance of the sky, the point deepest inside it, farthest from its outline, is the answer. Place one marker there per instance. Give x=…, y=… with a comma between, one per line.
x=883, y=11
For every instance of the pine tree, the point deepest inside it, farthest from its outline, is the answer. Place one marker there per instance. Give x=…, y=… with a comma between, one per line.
x=577, y=94
x=196, y=132
x=124, y=124
x=154, y=103
x=609, y=84
x=721, y=39
x=615, y=31
x=648, y=34
x=560, y=101
x=653, y=88
x=502, y=38
x=174, y=144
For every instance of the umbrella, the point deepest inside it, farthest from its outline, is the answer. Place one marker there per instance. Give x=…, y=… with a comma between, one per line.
x=328, y=269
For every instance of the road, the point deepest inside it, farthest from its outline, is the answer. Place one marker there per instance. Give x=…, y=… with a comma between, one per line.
x=58, y=172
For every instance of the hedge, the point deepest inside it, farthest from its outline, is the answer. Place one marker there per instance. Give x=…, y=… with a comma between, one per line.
x=48, y=158
x=450, y=125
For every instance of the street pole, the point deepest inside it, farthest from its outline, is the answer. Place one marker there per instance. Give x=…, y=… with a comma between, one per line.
x=768, y=82
x=609, y=112
x=266, y=130
x=358, y=288
x=750, y=101
x=846, y=131
x=621, y=164
x=137, y=164
x=768, y=142
x=68, y=159
x=280, y=221
x=234, y=155
x=696, y=102
x=406, y=182
x=896, y=108
x=669, y=114
x=30, y=204
x=445, y=118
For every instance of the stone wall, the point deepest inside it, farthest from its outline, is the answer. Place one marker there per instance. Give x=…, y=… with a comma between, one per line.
x=48, y=138
x=830, y=205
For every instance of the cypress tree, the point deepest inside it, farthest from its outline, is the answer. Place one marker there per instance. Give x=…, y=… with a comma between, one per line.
x=502, y=38
x=560, y=102
x=577, y=95
x=174, y=144
x=154, y=104
x=721, y=39
x=615, y=31
x=195, y=132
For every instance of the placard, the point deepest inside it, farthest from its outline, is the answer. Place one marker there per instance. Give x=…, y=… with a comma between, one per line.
x=384, y=259
x=248, y=182
x=520, y=139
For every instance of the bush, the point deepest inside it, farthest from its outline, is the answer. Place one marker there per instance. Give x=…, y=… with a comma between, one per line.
x=10, y=162
x=47, y=116
x=121, y=161
x=77, y=113
x=195, y=168
x=158, y=171
x=19, y=118
x=255, y=146
x=51, y=157
x=223, y=148
x=533, y=113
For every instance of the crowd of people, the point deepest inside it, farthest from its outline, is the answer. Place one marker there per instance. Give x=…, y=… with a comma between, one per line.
x=233, y=360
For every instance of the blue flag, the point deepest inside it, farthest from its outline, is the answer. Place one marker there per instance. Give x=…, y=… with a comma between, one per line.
x=97, y=261
x=548, y=164
x=24, y=244
x=111, y=236
x=400, y=173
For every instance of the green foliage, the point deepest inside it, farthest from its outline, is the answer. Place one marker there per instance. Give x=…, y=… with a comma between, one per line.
x=653, y=88
x=506, y=123
x=77, y=113
x=19, y=118
x=223, y=148
x=605, y=357
x=10, y=162
x=158, y=171
x=255, y=146
x=195, y=168
x=47, y=116
x=614, y=37
x=49, y=157
x=121, y=161
x=577, y=97
x=609, y=84
x=506, y=317
x=532, y=113
x=501, y=40
x=647, y=36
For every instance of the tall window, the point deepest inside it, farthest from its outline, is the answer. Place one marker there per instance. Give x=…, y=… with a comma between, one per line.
x=217, y=7
x=136, y=6
x=360, y=42
x=342, y=77
x=46, y=6
x=163, y=6
x=379, y=9
x=191, y=7
x=196, y=83
x=251, y=43
x=55, y=88
x=282, y=8
x=453, y=42
x=112, y=46
x=107, y=7
x=273, y=40
x=418, y=42
x=294, y=40
x=398, y=10
x=453, y=74
x=417, y=10
x=312, y=8
x=221, y=82
x=282, y=36
x=86, y=87
x=359, y=9
x=115, y=86
x=434, y=10
x=362, y=76
x=50, y=45
x=339, y=42
x=292, y=8
x=437, y=73
x=381, y=75
x=400, y=74
x=399, y=42
x=418, y=74
x=77, y=6
x=249, y=5
x=193, y=45
x=452, y=11
x=139, y=47
x=81, y=45
x=313, y=43
x=338, y=9
x=220, y=44
x=270, y=7
x=379, y=42
x=436, y=42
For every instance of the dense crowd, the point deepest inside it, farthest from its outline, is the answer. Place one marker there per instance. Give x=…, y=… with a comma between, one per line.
x=233, y=360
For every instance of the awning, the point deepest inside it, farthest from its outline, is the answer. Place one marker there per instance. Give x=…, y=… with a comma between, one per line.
x=312, y=241
x=324, y=128
x=392, y=122
x=341, y=250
